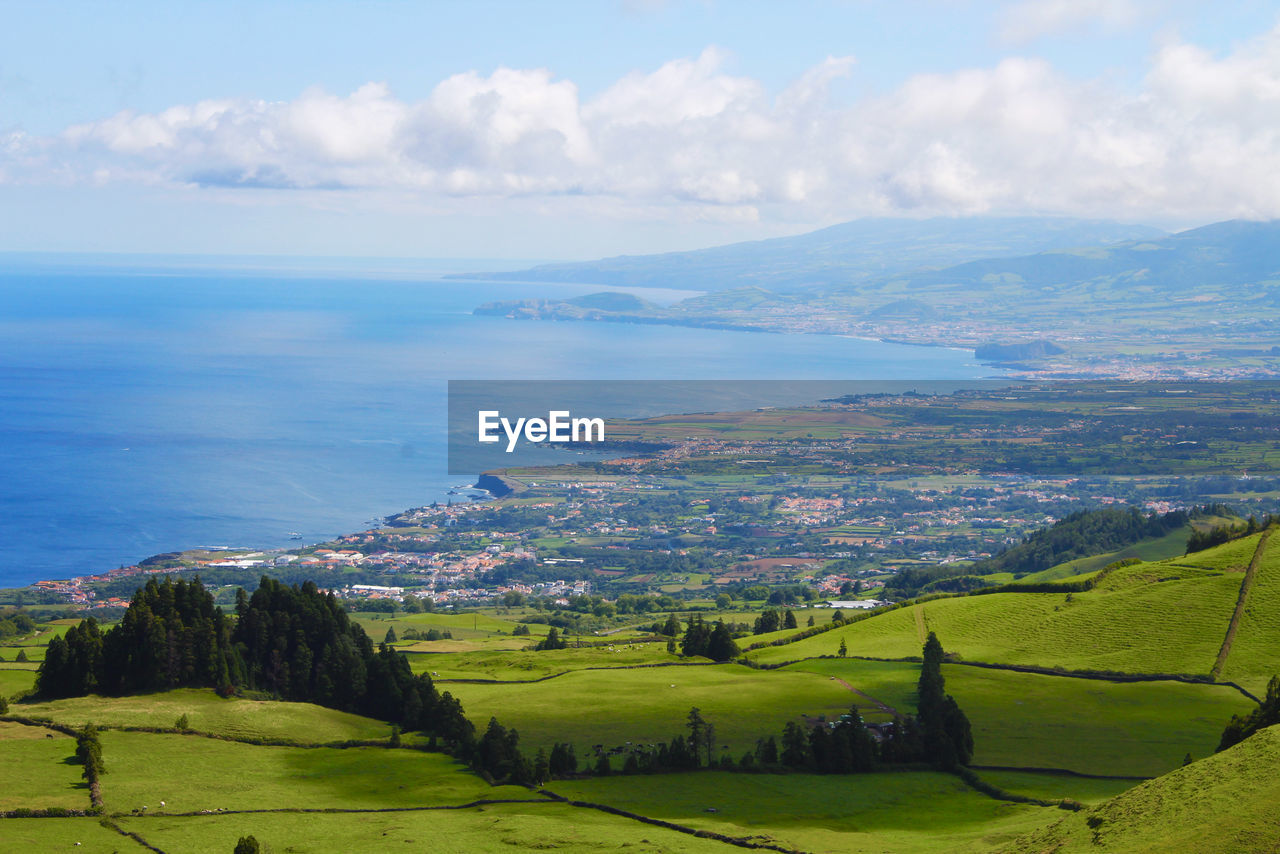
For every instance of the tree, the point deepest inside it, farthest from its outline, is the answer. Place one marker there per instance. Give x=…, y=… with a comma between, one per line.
x=947, y=734
x=602, y=766
x=721, y=647
x=183, y=723
x=843, y=650
x=723, y=601
x=795, y=746
x=696, y=638
x=671, y=628
x=562, y=761
x=767, y=751
x=702, y=734
x=22, y=655
x=541, y=767
x=552, y=641
x=789, y=620
x=390, y=637
x=768, y=621
x=248, y=845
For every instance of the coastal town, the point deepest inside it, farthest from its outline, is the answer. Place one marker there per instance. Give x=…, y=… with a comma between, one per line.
x=863, y=498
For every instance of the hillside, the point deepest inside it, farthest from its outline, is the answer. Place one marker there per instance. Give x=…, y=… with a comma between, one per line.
x=836, y=256
x=1096, y=306
x=1224, y=803
x=1163, y=617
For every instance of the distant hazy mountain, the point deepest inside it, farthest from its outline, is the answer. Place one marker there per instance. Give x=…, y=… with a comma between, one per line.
x=840, y=255
x=1231, y=253
x=1210, y=295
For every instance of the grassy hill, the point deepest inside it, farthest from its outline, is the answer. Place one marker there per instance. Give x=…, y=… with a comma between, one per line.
x=1043, y=735
x=1225, y=803
x=1159, y=617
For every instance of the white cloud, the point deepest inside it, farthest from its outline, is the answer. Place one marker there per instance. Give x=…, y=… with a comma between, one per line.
x=1199, y=138
x=1032, y=19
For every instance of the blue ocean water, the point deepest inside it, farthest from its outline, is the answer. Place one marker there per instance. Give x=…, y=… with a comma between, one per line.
x=145, y=409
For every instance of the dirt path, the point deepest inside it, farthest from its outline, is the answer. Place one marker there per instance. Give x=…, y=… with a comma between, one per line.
x=1245, y=586
x=882, y=706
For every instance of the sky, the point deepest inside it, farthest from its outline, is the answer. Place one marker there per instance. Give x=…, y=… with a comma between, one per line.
x=574, y=130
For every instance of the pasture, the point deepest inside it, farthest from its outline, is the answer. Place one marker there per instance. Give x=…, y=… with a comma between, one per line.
x=35, y=772
x=268, y=720
x=1028, y=720
x=885, y=812
x=545, y=825
x=191, y=773
x=646, y=705
x=1148, y=626
x=526, y=665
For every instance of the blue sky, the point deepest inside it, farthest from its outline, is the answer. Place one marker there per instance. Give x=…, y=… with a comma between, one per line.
x=572, y=130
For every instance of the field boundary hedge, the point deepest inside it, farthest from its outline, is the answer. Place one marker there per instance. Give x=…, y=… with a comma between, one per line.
x=1242, y=600
x=1100, y=675
x=250, y=740
x=576, y=670
x=1059, y=772
x=739, y=841
x=973, y=781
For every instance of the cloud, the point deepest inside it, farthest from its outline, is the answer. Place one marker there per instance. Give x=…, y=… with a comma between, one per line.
x=1033, y=19
x=1199, y=137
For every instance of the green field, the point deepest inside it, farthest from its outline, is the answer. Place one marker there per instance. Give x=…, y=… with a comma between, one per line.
x=192, y=773
x=1225, y=803
x=1029, y=720
x=645, y=705
x=1089, y=726
x=1053, y=787
x=33, y=652
x=16, y=679
x=892, y=683
x=526, y=665
x=301, y=723
x=82, y=835
x=890, y=812
x=34, y=771
x=1136, y=624
x=498, y=827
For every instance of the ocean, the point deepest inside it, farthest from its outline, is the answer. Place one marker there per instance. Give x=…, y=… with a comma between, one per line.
x=147, y=407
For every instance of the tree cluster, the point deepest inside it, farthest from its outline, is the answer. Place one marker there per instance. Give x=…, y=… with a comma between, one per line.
x=16, y=624
x=703, y=640
x=1083, y=534
x=171, y=636
x=1267, y=714
x=1219, y=534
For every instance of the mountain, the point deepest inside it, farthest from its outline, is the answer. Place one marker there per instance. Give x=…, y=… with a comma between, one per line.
x=1223, y=254
x=839, y=255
